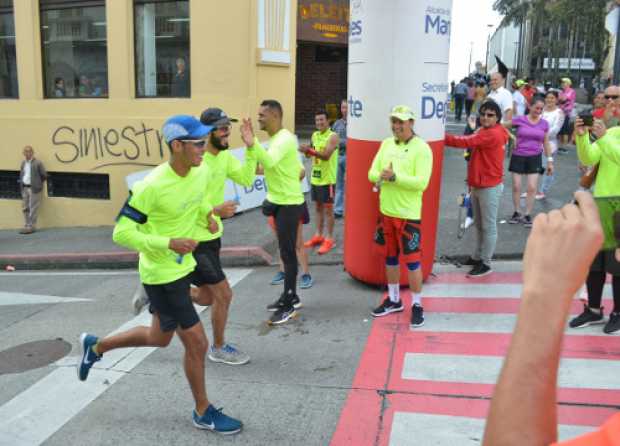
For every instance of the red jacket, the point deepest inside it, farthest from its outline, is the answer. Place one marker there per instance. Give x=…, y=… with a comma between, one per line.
x=486, y=165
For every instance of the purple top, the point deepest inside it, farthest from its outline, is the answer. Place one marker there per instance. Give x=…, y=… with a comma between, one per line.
x=530, y=137
x=567, y=100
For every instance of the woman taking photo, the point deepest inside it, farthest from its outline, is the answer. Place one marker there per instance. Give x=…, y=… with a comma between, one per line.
x=555, y=117
x=532, y=140
x=485, y=172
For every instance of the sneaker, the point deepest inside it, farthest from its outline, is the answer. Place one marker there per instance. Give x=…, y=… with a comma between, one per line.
x=387, y=307
x=280, y=302
x=562, y=150
x=314, y=241
x=327, y=245
x=214, y=420
x=228, y=354
x=139, y=300
x=89, y=357
x=306, y=281
x=613, y=325
x=527, y=221
x=540, y=196
x=468, y=222
x=282, y=314
x=481, y=269
x=515, y=219
x=278, y=279
x=471, y=262
x=417, y=315
x=587, y=317
x=523, y=195
x=338, y=216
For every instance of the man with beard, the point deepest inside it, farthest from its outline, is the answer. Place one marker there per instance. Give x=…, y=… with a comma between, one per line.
x=213, y=287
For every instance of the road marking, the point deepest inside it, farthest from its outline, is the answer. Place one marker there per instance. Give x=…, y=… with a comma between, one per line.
x=8, y=298
x=42, y=409
x=463, y=431
x=478, y=290
x=573, y=373
x=131, y=272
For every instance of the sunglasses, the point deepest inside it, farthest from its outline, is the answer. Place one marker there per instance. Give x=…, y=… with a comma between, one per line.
x=488, y=115
x=200, y=143
x=612, y=96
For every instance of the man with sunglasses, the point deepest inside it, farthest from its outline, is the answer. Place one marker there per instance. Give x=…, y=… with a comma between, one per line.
x=213, y=287
x=159, y=221
x=485, y=172
x=401, y=170
x=611, y=113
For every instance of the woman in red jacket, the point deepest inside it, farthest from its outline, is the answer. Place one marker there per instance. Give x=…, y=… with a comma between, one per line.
x=485, y=174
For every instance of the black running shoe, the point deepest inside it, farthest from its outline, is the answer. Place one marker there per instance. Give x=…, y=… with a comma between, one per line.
x=278, y=303
x=613, y=325
x=515, y=219
x=387, y=307
x=481, y=269
x=282, y=314
x=417, y=315
x=588, y=317
x=527, y=221
x=471, y=262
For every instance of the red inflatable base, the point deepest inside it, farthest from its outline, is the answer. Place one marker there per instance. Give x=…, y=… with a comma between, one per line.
x=362, y=259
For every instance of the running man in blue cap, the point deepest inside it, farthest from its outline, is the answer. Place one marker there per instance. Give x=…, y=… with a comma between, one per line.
x=159, y=221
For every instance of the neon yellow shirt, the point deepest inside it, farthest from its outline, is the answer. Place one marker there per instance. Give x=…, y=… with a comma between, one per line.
x=281, y=164
x=324, y=172
x=172, y=204
x=605, y=152
x=222, y=166
x=413, y=164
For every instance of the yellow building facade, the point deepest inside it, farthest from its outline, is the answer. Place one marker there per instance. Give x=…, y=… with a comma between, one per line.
x=92, y=134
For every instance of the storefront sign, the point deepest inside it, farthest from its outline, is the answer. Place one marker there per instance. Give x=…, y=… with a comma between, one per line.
x=323, y=21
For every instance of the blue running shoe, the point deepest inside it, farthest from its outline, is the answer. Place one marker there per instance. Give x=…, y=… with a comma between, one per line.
x=214, y=420
x=88, y=356
x=306, y=281
x=278, y=279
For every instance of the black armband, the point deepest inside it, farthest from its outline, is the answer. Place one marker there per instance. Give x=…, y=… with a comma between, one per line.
x=132, y=213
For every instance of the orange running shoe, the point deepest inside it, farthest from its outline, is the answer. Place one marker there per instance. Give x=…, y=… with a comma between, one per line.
x=314, y=241
x=327, y=246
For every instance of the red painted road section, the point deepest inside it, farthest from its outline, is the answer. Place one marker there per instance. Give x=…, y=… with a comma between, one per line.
x=390, y=338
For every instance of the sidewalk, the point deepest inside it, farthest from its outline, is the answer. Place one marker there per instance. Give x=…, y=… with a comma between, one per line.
x=249, y=241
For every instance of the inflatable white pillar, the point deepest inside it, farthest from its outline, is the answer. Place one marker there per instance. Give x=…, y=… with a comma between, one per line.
x=398, y=54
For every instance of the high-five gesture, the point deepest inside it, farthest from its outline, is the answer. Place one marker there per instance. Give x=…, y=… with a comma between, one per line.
x=247, y=132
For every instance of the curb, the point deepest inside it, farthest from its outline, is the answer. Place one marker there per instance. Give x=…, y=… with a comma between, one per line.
x=230, y=256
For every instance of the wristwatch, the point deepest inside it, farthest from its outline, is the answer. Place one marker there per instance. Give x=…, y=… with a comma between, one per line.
x=549, y=159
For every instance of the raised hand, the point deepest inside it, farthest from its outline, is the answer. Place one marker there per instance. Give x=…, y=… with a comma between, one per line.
x=247, y=132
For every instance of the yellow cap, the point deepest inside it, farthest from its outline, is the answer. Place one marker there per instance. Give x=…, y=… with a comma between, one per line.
x=402, y=112
x=567, y=80
x=520, y=83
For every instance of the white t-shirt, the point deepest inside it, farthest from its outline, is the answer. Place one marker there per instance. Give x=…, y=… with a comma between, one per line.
x=27, y=173
x=520, y=102
x=502, y=97
x=555, y=119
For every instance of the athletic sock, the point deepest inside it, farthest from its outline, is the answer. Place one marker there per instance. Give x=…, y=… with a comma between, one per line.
x=394, y=292
x=416, y=299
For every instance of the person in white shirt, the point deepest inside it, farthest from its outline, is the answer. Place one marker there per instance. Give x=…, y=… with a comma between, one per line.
x=31, y=178
x=555, y=117
x=519, y=103
x=501, y=95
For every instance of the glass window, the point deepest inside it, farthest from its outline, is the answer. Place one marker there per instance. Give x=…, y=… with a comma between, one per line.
x=75, y=53
x=162, y=48
x=8, y=67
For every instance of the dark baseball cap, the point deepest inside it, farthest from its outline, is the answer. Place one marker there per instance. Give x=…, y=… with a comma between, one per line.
x=216, y=117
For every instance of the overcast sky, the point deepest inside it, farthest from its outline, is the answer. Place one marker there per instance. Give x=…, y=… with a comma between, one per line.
x=469, y=24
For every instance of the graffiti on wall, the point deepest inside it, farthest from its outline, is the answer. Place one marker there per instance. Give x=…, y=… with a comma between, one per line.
x=130, y=145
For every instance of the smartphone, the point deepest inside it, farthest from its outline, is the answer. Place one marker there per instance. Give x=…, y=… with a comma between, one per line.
x=587, y=119
x=609, y=210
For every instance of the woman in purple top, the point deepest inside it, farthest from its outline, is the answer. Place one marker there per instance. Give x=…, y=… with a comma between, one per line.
x=567, y=104
x=532, y=138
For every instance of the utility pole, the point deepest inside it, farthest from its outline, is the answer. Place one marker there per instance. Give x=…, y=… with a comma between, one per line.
x=471, y=49
x=617, y=55
x=486, y=62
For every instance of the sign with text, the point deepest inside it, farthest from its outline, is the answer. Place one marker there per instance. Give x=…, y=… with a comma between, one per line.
x=323, y=21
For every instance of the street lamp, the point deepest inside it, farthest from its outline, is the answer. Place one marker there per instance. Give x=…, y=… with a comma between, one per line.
x=486, y=61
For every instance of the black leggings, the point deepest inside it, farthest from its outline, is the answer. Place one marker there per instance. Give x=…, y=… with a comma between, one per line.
x=595, y=283
x=287, y=220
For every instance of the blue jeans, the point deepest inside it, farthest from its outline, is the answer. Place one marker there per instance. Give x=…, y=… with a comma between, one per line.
x=339, y=200
x=547, y=180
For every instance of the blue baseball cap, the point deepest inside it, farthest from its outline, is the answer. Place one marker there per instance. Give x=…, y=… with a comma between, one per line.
x=184, y=127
